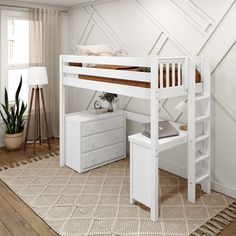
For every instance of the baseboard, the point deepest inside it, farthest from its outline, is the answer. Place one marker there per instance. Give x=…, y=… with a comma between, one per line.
x=218, y=187
x=170, y=167
x=221, y=188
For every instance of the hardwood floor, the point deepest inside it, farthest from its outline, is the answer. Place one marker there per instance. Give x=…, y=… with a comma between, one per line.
x=16, y=218
x=229, y=230
x=9, y=157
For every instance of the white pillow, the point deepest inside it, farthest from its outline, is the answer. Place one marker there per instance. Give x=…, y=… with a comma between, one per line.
x=97, y=50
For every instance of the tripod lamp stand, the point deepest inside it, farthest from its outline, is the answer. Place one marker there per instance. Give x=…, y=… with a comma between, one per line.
x=37, y=76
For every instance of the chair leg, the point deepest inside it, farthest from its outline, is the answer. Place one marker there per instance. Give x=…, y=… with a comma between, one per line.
x=45, y=119
x=29, y=116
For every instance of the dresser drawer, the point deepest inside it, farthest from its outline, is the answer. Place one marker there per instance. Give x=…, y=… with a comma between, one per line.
x=102, y=155
x=104, y=139
x=103, y=125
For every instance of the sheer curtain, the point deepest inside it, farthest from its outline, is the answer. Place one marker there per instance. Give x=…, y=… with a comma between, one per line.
x=45, y=41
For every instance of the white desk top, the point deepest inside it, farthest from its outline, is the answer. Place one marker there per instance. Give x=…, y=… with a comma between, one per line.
x=164, y=143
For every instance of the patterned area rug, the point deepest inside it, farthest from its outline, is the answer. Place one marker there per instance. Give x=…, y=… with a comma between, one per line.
x=97, y=202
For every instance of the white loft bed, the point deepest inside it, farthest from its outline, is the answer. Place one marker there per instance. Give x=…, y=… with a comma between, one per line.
x=198, y=142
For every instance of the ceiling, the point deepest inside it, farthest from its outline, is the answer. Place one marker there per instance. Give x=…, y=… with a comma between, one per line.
x=59, y=2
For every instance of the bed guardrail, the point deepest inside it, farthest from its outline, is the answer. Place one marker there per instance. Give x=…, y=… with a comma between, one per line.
x=172, y=72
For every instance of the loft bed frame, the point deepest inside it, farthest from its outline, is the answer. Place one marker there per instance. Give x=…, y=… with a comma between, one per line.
x=198, y=135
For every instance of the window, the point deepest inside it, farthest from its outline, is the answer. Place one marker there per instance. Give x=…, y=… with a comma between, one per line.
x=15, y=52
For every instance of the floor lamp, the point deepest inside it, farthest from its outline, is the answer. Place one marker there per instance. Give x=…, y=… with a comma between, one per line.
x=37, y=76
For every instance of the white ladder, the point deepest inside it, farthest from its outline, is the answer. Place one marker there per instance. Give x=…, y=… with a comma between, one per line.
x=199, y=143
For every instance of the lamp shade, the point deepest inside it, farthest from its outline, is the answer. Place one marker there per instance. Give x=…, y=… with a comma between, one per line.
x=37, y=76
x=182, y=106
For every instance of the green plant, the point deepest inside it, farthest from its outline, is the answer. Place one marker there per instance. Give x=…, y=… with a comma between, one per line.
x=109, y=97
x=13, y=118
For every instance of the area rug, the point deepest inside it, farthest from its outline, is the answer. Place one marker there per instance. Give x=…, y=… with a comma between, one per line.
x=97, y=202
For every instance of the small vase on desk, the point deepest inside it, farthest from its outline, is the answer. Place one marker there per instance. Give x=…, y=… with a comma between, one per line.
x=110, y=107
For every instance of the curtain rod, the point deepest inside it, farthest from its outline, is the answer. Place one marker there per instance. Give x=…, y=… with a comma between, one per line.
x=27, y=8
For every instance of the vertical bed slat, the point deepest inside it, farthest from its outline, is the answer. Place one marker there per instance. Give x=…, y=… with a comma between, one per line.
x=179, y=74
x=161, y=75
x=167, y=75
x=173, y=74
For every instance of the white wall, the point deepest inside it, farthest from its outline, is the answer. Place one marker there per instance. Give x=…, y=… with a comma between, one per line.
x=171, y=28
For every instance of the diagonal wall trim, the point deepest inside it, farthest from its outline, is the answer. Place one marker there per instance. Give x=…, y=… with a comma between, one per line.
x=86, y=32
x=90, y=101
x=155, y=44
x=223, y=57
x=203, y=13
x=215, y=28
x=127, y=103
x=162, y=28
x=94, y=2
x=184, y=13
x=159, y=45
x=220, y=101
x=105, y=29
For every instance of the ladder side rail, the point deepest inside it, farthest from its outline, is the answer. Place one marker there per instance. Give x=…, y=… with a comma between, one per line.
x=190, y=74
x=154, y=139
x=185, y=73
x=206, y=183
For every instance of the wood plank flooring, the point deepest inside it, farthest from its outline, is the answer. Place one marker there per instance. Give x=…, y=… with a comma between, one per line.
x=16, y=218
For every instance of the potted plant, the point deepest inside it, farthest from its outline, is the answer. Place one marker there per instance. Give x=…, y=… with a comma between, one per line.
x=13, y=119
x=110, y=98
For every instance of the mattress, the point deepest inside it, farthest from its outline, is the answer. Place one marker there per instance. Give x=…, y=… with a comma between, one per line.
x=172, y=82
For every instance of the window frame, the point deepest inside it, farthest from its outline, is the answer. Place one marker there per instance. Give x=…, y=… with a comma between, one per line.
x=4, y=66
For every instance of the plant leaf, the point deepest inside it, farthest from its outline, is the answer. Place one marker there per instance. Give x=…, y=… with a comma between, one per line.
x=6, y=99
x=13, y=118
x=18, y=90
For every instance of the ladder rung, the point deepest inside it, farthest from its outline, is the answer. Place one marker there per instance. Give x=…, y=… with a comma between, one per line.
x=201, y=138
x=201, y=177
x=202, y=157
x=201, y=118
x=200, y=98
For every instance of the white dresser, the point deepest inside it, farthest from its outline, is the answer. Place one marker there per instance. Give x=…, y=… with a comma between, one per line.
x=94, y=140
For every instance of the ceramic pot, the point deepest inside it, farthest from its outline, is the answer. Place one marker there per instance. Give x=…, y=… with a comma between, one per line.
x=14, y=141
x=110, y=107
